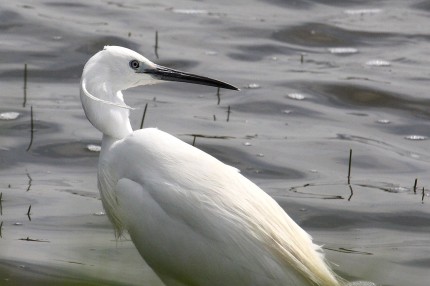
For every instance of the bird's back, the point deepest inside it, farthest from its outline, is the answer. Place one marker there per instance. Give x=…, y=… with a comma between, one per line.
x=198, y=221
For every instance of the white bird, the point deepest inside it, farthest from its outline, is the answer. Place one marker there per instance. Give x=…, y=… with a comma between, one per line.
x=194, y=219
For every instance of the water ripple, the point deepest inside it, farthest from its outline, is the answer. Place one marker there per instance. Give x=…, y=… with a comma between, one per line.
x=324, y=35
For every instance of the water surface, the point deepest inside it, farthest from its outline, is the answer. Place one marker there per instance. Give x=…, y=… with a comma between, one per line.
x=361, y=69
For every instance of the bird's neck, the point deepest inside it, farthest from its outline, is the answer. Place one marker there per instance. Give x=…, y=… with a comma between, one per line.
x=107, y=142
x=109, y=119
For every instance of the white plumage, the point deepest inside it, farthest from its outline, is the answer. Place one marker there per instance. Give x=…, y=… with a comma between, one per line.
x=194, y=219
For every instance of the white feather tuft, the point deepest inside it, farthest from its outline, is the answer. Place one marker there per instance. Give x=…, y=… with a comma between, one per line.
x=89, y=95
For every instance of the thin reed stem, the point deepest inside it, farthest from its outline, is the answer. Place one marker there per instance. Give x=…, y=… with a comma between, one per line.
x=143, y=116
x=25, y=86
x=31, y=128
x=156, y=44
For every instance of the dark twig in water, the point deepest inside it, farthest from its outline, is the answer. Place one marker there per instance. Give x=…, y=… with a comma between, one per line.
x=143, y=116
x=302, y=56
x=29, y=182
x=25, y=86
x=34, y=240
x=352, y=193
x=228, y=113
x=156, y=44
x=415, y=186
x=28, y=213
x=214, y=117
x=1, y=226
x=333, y=197
x=211, y=136
x=218, y=95
x=1, y=204
x=208, y=136
x=346, y=250
x=31, y=128
x=422, y=198
x=296, y=189
x=349, y=166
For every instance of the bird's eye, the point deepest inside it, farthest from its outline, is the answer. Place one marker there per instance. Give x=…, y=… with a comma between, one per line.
x=134, y=64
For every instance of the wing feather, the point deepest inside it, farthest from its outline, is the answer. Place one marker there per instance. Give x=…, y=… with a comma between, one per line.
x=215, y=216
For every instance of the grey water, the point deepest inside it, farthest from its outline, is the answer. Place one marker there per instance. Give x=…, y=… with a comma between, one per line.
x=317, y=79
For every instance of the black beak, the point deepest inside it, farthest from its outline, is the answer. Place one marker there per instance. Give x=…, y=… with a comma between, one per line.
x=168, y=74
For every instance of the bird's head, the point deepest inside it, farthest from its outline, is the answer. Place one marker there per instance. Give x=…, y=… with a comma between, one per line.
x=124, y=68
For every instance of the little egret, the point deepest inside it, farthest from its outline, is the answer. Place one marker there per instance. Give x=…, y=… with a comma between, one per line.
x=193, y=219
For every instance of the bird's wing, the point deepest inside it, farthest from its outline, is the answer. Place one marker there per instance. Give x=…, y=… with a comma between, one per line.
x=178, y=234
x=180, y=202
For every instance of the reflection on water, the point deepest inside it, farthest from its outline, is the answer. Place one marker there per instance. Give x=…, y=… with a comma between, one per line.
x=267, y=107
x=9, y=115
x=322, y=35
x=250, y=166
x=93, y=45
x=359, y=96
x=412, y=221
x=66, y=150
